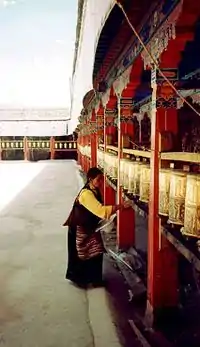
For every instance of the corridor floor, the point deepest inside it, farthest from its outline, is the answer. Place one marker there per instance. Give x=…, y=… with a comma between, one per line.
x=38, y=307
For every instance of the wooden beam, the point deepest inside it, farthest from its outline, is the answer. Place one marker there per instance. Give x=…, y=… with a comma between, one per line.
x=181, y=156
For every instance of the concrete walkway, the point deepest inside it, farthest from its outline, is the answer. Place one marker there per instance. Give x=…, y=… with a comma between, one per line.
x=38, y=307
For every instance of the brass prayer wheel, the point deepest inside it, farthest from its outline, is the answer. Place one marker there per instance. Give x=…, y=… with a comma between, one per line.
x=192, y=206
x=107, y=167
x=114, y=166
x=145, y=183
x=123, y=172
x=164, y=188
x=100, y=158
x=126, y=174
x=177, y=197
x=134, y=178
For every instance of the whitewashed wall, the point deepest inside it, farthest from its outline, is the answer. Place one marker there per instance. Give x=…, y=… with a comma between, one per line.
x=95, y=14
x=33, y=128
x=34, y=114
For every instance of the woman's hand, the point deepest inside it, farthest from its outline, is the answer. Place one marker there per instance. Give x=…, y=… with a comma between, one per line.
x=127, y=204
x=124, y=205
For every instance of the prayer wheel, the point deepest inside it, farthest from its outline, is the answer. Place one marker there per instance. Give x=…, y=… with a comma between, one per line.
x=110, y=165
x=100, y=158
x=164, y=188
x=126, y=174
x=145, y=183
x=177, y=197
x=114, y=166
x=123, y=172
x=107, y=167
x=134, y=178
x=192, y=206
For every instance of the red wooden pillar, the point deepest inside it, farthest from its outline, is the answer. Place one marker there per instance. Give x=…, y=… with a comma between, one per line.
x=52, y=148
x=0, y=150
x=94, y=149
x=84, y=144
x=88, y=159
x=93, y=139
x=110, y=195
x=78, y=151
x=109, y=137
x=81, y=143
x=162, y=256
x=110, y=127
x=125, y=218
x=26, y=151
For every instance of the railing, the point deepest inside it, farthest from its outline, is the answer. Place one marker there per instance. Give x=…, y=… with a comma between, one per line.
x=32, y=149
x=38, y=145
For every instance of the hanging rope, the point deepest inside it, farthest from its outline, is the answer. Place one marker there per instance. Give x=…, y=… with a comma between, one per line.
x=154, y=60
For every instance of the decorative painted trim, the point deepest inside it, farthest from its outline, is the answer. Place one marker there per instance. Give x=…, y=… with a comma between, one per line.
x=163, y=35
x=110, y=112
x=122, y=81
x=105, y=97
x=147, y=32
x=166, y=103
x=193, y=93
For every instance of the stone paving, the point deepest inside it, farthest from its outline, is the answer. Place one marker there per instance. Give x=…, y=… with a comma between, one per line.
x=38, y=307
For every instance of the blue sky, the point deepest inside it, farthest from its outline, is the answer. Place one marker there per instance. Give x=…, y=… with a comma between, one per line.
x=36, y=52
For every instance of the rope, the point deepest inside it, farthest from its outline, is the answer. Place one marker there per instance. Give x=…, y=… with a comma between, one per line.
x=153, y=59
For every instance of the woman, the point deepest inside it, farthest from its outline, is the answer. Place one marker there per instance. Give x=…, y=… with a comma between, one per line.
x=85, y=246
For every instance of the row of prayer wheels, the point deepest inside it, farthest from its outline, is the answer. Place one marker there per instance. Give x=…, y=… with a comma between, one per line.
x=179, y=200
x=135, y=178
x=134, y=175
x=179, y=191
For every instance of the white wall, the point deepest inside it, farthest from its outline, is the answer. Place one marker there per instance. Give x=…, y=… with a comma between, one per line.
x=96, y=12
x=33, y=128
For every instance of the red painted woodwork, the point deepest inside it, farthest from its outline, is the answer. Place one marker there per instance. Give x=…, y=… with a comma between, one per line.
x=110, y=195
x=0, y=151
x=136, y=13
x=125, y=218
x=52, y=148
x=125, y=228
x=162, y=257
x=26, y=150
x=93, y=150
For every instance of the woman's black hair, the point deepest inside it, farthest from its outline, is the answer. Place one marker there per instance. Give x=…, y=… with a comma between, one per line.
x=92, y=173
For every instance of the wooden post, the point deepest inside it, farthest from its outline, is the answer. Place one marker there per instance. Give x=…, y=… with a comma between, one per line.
x=84, y=157
x=0, y=150
x=125, y=231
x=162, y=257
x=52, y=148
x=93, y=150
x=26, y=150
x=78, y=153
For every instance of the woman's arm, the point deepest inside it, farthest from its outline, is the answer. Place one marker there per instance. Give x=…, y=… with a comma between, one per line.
x=89, y=201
